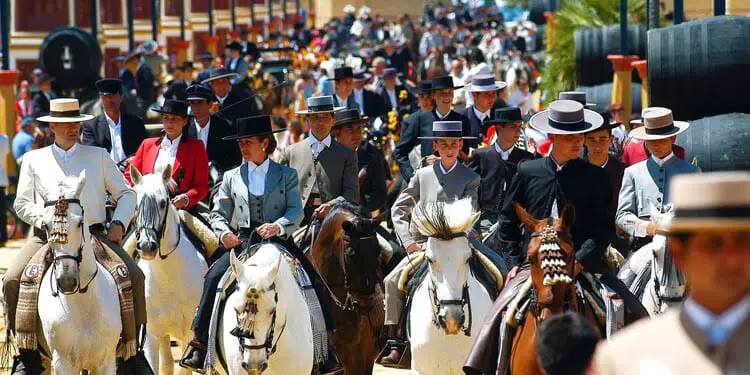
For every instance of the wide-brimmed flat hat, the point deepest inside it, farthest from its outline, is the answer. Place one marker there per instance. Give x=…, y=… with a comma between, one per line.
x=717, y=200
x=389, y=73
x=219, y=74
x=349, y=116
x=64, y=111
x=423, y=87
x=174, y=107
x=445, y=82
x=576, y=96
x=658, y=123
x=505, y=115
x=566, y=117
x=252, y=127
x=447, y=129
x=108, y=86
x=485, y=82
x=200, y=92
x=320, y=104
x=361, y=76
x=342, y=73
x=236, y=46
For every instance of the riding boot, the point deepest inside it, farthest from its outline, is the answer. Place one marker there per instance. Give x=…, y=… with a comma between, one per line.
x=331, y=365
x=194, y=357
x=396, y=346
x=27, y=362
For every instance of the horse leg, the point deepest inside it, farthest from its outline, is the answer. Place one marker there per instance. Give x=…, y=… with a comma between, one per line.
x=106, y=369
x=62, y=366
x=166, y=361
x=151, y=350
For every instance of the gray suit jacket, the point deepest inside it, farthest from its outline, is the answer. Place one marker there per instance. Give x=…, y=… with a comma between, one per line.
x=429, y=184
x=335, y=171
x=281, y=201
x=645, y=184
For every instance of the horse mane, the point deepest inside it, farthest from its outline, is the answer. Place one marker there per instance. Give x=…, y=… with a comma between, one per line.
x=330, y=235
x=443, y=220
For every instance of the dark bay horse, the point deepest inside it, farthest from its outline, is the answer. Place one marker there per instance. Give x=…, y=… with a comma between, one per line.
x=346, y=253
x=551, y=257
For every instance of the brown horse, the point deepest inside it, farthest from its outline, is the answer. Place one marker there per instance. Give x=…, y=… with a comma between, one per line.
x=551, y=257
x=346, y=253
x=437, y=65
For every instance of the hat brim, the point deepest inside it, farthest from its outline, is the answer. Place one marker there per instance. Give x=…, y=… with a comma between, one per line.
x=699, y=224
x=159, y=110
x=366, y=78
x=351, y=121
x=499, y=85
x=238, y=136
x=61, y=120
x=227, y=76
x=189, y=98
x=592, y=120
x=434, y=138
x=610, y=126
x=640, y=132
x=443, y=88
x=306, y=112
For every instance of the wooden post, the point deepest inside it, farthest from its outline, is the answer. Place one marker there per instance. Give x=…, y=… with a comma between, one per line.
x=622, y=82
x=8, y=81
x=642, y=67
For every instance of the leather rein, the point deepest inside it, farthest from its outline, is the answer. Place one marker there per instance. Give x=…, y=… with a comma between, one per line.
x=437, y=303
x=159, y=234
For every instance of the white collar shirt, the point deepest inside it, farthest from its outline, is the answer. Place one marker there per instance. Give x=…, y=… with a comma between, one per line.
x=555, y=214
x=117, y=151
x=221, y=99
x=256, y=176
x=663, y=161
x=359, y=98
x=392, y=97
x=449, y=169
x=481, y=115
x=504, y=154
x=317, y=148
x=202, y=132
x=440, y=115
x=719, y=328
x=342, y=102
x=64, y=155
x=167, y=153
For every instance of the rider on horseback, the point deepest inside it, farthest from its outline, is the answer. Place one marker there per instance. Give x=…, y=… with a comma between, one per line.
x=48, y=166
x=268, y=208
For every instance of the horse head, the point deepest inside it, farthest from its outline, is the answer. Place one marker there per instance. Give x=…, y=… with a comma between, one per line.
x=63, y=221
x=154, y=210
x=551, y=256
x=359, y=257
x=446, y=225
x=669, y=284
x=257, y=281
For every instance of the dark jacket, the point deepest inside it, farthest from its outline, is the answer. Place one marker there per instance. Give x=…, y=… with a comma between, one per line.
x=536, y=186
x=372, y=103
x=226, y=154
x=39, y=105
x=144, y=83
x=386, y=100
x=176, y=90
x=420, y=125
x=399, y=60
x=95, y=132
x=128, y=81
x=615, y=170
x=372, y=190
x=477, y=129
x=496, y=174
x=246, y=108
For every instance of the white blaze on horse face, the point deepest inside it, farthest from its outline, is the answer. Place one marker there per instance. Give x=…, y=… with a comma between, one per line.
x=449, y=269
x=152, y=204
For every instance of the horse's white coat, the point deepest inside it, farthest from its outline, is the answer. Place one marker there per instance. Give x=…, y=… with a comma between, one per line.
x=294, y=350
x=173, y=285
x=82, y=330
x=433, y=351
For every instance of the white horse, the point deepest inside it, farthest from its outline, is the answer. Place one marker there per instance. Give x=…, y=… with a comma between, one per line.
x=268, y=307
x=172, y=267
x=650, y=273
x=79, y=305
x=440, y=332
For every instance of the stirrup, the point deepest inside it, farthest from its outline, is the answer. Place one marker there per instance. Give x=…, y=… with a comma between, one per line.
x=403, y=347
x=189, y=348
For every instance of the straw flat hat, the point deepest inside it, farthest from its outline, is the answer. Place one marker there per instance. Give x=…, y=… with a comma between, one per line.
x=64, y=111
x=658, y=123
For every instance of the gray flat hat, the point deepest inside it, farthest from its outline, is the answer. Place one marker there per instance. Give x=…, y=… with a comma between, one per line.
x=320, y=104
x=447, y=129
x=566, y=117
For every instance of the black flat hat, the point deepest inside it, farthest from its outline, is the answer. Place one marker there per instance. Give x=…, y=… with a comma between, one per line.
x=349, y=116
x=341, y=73
x=109, y=86
x=174, y=107
x=445, y=82
x=200, y=92
x=235, y=46
x=252, y=127
x=219, y=74
x=505, y=115
x=423, y=87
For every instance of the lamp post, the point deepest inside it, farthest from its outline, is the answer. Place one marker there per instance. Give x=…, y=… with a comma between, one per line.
x=5, y=25
x=720, y=7
x=233, y=14
x=94, y=26
x=211, y=17
x=679, y=12
x=154, y=20
x=131, y=36
x=624, y=27
x=182, y=19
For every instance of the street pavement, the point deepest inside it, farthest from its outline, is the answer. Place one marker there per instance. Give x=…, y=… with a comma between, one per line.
x=7, y=254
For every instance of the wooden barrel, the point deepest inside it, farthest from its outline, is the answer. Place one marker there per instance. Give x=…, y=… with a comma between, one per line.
x=594, y=44
x=72, y=56
x=539, y=36
x=718, y=143
x=536, y=11
x=601, y=95
x=700, y=68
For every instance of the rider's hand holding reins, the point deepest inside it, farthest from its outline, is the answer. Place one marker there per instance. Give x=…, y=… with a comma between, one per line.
x=116, y=232
x=230, y=240
x=322, y=211
x=511, y=274
x=268, y=230
x=181, y=201
x=415, y=247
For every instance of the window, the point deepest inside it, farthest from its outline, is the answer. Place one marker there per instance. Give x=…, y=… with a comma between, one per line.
x=142, y=9
x=110, y=11
x=41, y=15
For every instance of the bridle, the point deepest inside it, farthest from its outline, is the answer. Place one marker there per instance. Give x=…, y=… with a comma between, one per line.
x=550, y=236
x=251, y=308
x=353, y=301
x=58, y=234
x=159, y=234
x=437, y=303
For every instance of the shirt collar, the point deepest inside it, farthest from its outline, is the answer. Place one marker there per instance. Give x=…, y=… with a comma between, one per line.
x=222, y=99
x=505, y=154
x=65, y=154
x=199, y=128
x=719, y=328
x=661, y=162
x=341, y=100
x=111, y=122
x=558, y=166
x=262, y=168
x=479, y=114
x=166, y=143
x=450, y=169
x=326, y=141
x=440, y=115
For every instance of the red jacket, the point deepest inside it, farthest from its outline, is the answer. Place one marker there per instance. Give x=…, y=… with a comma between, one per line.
x=190, y=169
x=637, y=152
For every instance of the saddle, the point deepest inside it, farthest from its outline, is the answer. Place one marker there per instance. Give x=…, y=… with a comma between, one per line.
x=196, y=231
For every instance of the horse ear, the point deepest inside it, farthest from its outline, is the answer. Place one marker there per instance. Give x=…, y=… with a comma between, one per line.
x=81, y=183
x=568, y=216
x=235, y=264
x=135, y=175
x=166, y=174
x=524, y=216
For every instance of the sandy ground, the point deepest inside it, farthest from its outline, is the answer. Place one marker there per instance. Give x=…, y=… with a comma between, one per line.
x=7, y=254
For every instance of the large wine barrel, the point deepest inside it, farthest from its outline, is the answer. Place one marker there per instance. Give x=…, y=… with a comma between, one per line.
x=718, y=143
x=593, y=45
x=601, y=95
x=536, y=11
x=72, y=56
x=700, y=68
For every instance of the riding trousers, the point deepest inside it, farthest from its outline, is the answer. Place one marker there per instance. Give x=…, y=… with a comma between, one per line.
x=11, y=280
x=203, y=314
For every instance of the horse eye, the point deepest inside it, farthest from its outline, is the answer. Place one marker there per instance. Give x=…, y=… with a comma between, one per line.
x=163, y=204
